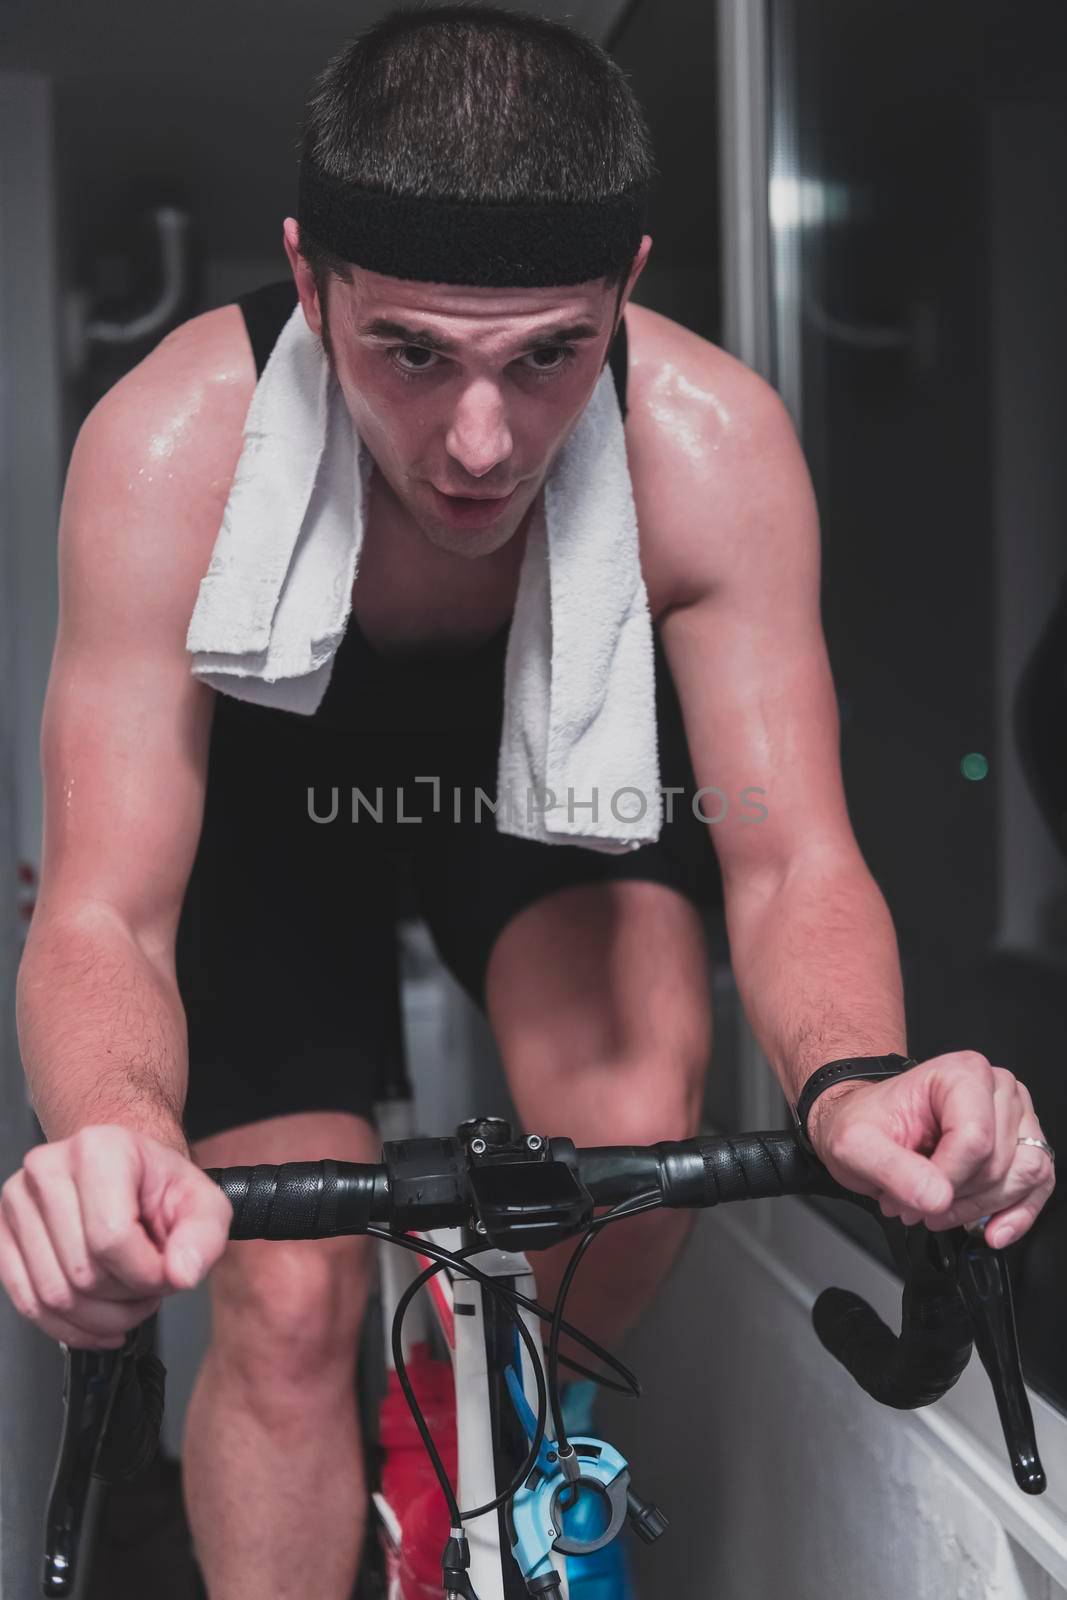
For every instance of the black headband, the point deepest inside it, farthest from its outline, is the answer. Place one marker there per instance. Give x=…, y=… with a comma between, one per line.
x=492, y=244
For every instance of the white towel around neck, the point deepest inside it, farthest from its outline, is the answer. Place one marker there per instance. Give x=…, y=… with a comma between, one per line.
x=579, y=692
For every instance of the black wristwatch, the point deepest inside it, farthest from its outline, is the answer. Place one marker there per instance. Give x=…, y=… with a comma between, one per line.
x=838, y=1072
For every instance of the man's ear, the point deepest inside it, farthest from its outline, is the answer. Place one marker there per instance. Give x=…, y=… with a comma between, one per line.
x=303, y=277
x=636, y=270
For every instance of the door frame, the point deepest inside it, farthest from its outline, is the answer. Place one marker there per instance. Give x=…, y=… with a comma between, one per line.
x=31, y=1366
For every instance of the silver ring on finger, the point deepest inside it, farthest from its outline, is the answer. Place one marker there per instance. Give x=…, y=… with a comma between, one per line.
x=1042, y=1144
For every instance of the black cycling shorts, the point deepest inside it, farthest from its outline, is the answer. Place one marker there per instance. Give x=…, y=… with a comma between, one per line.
x=287, y=949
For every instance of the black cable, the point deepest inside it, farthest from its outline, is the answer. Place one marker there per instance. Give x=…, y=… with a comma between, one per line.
x=627, y=1208
x=422, y=1246
x=409, y=1393
x=504, y=1295
x=553, y=1344
x=458, y=1516
x=542, y=1415
x=631, y=1386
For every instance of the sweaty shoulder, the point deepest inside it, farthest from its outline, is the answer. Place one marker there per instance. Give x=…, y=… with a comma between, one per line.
x=155, y=458
x=694, y=408
x=187, y=400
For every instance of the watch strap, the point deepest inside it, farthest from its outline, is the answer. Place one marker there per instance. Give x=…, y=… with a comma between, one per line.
x=870, y=1067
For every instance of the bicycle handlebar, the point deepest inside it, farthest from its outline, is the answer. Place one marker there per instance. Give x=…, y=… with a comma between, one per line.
x=526, y=1194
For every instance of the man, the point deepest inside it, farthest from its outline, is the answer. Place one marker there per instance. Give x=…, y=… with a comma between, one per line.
x=158, y=961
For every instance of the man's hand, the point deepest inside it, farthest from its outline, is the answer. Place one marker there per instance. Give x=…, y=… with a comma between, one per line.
x=97, y=1228
x=939, y=1145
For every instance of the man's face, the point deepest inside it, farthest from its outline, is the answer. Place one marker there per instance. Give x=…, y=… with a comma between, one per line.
x=461, y=391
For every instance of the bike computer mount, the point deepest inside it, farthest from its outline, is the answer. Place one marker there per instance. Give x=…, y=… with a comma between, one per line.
x=524, y=1192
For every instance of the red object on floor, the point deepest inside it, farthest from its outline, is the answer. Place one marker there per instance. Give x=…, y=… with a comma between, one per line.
x=409, y=1484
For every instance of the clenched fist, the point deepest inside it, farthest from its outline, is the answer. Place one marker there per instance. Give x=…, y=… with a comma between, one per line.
x=939, y=1144
x=96, y=1229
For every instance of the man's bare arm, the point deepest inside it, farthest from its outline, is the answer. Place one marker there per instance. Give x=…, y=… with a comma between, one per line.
x=125, y=737
x=811, y=938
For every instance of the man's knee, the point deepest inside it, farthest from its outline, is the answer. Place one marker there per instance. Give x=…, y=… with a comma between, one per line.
x=289, y=1313
x=654, y=1098
x=639, y=1099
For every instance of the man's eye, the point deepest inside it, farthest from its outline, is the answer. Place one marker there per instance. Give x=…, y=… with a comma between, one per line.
x=407, y=349
x=564, y=353
x=567, y=351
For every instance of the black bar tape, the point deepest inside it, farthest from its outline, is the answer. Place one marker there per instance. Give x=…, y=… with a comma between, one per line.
x=706, y=1172
x=913, y=1370
x=302, y=1199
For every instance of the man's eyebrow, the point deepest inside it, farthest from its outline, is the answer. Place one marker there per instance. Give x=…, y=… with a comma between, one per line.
x=385, y=328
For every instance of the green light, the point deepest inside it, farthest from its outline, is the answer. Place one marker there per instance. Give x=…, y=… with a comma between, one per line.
x=974, y=766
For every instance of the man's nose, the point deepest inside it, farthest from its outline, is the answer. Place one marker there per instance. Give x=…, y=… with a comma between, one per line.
x=479, y=438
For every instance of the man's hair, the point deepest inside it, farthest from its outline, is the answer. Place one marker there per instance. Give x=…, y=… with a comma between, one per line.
x=473, y=102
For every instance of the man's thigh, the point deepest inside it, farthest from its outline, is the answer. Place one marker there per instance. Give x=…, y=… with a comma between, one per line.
x=599, y=998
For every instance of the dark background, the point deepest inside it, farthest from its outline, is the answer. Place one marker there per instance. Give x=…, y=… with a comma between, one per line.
x=940, y=475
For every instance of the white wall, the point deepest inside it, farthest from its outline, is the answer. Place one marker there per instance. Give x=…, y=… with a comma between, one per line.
x=780, y=1475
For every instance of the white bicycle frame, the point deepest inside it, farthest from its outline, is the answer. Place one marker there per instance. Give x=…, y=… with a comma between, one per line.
x=471, y=1323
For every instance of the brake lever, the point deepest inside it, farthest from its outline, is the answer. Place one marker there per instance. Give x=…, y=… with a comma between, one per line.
x=88, y=1394
x=984, y=1282
x=90, y=1385
x=981, y=1276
